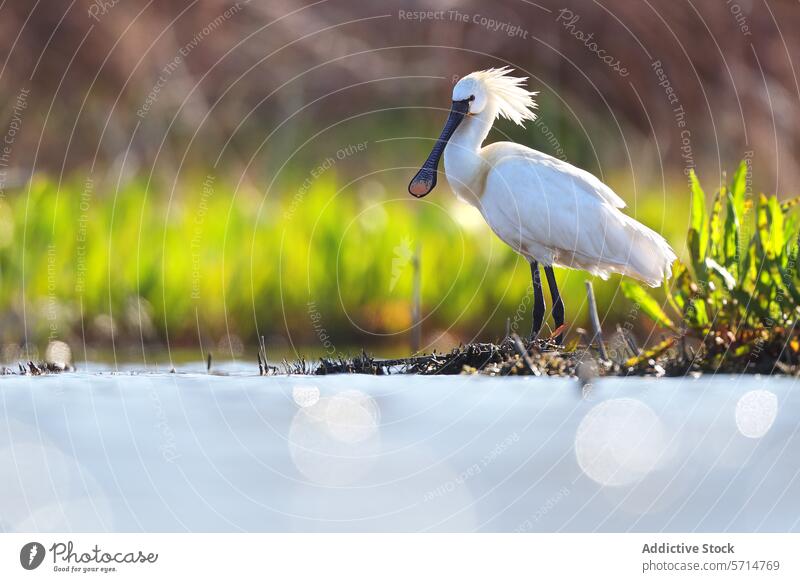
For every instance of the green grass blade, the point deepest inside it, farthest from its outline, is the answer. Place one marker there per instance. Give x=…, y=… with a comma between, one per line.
x=653, y=352
x=739, y=188
x=764, y=228
x=715, y=227
x=699, y=315
x=647, y=303
x=698, y=229
x=784, y=279
x=776, y=233
x=731, y=237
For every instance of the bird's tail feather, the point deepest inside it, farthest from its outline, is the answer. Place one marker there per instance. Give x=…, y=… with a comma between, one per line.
x=633, y=250
x=650, y=257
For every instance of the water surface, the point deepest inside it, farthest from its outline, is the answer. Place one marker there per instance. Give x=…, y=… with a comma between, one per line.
x=197, y=452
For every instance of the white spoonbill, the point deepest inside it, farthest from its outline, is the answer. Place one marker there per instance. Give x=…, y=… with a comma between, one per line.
x=547, y=210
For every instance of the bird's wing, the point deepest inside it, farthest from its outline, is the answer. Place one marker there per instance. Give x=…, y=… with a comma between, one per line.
x=539, y=210
x=541, y=166
x=553, y=213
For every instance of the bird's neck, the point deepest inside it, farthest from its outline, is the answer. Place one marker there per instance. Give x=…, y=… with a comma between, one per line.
x=462, y=162
x=473, y=131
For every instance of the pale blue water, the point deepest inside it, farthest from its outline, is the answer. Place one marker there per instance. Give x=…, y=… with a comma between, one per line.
x=177, y=452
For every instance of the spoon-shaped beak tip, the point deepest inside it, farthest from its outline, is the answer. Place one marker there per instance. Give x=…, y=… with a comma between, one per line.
x=423, y=183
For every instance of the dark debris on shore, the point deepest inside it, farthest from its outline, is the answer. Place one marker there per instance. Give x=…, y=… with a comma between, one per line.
x=510, y=357
x=33, y=369
x=672, y=357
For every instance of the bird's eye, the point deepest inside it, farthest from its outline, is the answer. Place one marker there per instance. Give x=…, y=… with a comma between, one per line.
x=471, y=98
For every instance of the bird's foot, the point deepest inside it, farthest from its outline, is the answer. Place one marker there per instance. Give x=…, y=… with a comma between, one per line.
x=546, y=344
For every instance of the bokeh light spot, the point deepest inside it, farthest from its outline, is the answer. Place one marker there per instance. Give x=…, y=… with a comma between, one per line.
x=619, y=442
x=755, y=413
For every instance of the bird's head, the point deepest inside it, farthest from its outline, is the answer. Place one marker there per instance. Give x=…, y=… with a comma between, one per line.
x=494, y=91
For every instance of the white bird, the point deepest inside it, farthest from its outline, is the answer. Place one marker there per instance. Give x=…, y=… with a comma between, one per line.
x=547, y=210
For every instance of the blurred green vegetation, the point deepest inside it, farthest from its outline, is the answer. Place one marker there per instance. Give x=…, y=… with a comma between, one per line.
x=93, y=261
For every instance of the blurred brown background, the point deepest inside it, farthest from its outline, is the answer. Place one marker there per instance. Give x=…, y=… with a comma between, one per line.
x=90, y=67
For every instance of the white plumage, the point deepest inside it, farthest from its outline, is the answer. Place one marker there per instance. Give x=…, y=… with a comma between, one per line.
x=544, y=208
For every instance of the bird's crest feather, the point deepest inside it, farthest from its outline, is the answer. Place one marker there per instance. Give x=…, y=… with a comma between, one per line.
x=513, y=100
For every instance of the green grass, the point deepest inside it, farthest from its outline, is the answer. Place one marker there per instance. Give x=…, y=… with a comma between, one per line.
x=739, y=292
x=333, y=259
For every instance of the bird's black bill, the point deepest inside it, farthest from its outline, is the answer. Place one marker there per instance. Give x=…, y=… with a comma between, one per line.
x=425, y=180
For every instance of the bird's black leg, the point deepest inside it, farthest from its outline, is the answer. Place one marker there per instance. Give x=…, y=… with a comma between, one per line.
x=538, y=300
x=558, y=304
